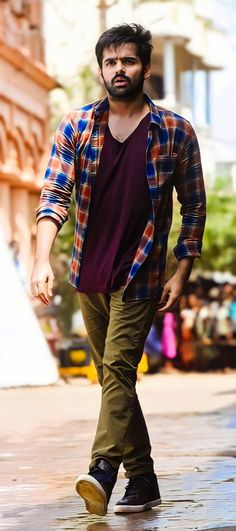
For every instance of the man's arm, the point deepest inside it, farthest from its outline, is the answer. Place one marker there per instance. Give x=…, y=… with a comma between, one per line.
x=60, y=174
x=53, y=206
x=190, y=189
x=42, y=275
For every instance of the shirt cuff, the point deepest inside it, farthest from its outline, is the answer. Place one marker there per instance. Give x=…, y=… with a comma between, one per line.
x=188, y=248
x=53, y=215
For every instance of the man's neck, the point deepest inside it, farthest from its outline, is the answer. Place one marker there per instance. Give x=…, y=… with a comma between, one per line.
x=127, y=108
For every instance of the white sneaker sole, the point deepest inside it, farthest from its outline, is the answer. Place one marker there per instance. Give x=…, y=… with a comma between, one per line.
x=136, y=508
x=93, y=494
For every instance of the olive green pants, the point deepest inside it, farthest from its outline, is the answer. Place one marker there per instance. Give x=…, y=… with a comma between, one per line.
x=117, y=331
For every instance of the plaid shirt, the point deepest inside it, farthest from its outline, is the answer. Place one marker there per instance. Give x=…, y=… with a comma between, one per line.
x=173, y=159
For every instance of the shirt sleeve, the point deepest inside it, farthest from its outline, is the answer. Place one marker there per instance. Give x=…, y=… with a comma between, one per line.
x=59, y=176
x=190, y=189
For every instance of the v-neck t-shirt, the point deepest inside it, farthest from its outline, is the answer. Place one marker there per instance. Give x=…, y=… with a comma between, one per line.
x=118, y=214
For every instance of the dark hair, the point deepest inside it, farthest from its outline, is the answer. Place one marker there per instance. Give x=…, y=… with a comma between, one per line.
x=125, y=33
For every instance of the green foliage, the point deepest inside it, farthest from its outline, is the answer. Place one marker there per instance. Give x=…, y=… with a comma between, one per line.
x=220, y=234
x=69, y=303
x=223, y=183
x=219, y=243
x=89, y=85
x=82, y=88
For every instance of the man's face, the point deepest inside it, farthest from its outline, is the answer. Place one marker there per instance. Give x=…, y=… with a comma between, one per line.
x=122, y=72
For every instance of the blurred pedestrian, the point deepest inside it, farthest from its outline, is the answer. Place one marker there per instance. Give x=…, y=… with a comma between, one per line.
x=188, y=313
x=169, y=341
x=48, y=320
x=124, y=154
x=232, y=311
x=153, y=350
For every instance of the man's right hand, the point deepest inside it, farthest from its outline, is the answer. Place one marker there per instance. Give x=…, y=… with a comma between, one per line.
x=42, y=275
x=42, y=282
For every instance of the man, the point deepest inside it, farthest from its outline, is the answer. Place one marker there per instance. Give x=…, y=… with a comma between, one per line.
x=124, y=154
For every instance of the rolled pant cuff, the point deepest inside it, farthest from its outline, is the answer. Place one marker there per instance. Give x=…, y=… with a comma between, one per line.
x=138, y=471
x=108, y=460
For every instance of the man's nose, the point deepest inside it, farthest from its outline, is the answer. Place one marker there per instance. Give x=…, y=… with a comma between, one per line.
x=120, y=67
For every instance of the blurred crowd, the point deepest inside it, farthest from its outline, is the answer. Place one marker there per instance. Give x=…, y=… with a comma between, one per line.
x=200, y=334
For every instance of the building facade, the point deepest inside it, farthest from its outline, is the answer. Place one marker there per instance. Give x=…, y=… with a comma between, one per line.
x=24, y=88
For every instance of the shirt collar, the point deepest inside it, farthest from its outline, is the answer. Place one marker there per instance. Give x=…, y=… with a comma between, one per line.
x=102, y=105
x=155, y=116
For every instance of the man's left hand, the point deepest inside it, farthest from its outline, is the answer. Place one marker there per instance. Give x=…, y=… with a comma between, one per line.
x=174, y=287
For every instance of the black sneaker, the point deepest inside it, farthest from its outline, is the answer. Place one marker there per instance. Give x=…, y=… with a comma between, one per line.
x=142, y=493
x=96, y=487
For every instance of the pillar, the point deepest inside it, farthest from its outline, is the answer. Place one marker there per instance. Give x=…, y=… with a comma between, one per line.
x=169, y=70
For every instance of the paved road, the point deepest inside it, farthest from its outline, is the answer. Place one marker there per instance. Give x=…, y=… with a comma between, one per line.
x=45, y=441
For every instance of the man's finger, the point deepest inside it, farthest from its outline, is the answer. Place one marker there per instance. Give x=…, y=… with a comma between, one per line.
x=34, y=290
x=50, y=286
x=44, y=299
x=169, y=304
x=165, y=295
x=43, y=291
x=37, y=295
x=42, y=286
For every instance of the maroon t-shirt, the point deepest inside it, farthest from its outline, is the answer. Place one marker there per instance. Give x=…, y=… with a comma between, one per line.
x=119, y=210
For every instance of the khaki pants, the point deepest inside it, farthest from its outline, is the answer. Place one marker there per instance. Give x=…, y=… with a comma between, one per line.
x=117, y=331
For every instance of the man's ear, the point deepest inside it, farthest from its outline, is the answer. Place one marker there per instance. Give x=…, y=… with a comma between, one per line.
x=100, y=74
x=147, y=71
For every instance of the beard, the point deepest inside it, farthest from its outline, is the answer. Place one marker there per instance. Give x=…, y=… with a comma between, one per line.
x=132, y=89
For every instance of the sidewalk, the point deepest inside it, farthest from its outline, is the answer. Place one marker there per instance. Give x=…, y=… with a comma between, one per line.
x=46, y=435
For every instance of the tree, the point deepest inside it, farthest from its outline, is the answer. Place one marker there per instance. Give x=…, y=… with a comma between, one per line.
x=219, y=243
x=81, y=89
x=220, y=235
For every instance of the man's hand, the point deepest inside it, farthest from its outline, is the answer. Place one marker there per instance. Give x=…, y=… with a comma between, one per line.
x=42, y=282
x=171, y=294
x=173, y=288
x=42, y=275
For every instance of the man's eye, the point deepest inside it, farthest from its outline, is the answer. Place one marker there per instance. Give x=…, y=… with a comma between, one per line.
x=109, y=63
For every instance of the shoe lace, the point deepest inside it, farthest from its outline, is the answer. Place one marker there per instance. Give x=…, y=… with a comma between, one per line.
x=135, y=485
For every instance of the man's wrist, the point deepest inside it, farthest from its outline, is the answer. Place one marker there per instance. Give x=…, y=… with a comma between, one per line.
x=39, y=260
x=185, y=268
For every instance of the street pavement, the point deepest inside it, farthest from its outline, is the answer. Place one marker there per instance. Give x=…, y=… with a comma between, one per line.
x=45, y=441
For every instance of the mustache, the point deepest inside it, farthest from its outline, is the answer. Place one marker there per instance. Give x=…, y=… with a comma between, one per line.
x=120, y=76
